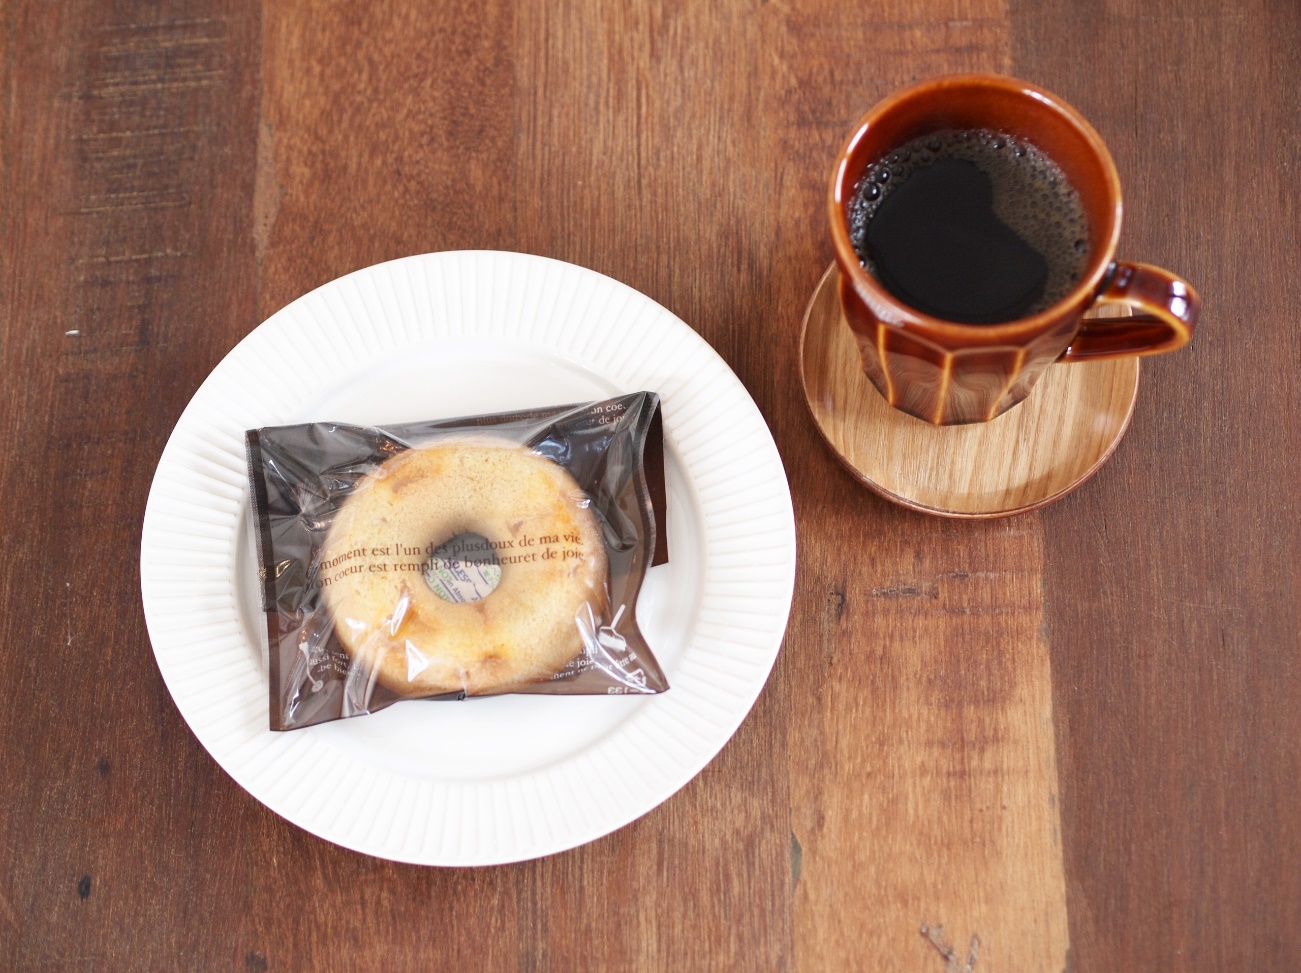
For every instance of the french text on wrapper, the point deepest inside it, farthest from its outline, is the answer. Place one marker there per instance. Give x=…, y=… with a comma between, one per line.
x=403, y=558
x=608, y=412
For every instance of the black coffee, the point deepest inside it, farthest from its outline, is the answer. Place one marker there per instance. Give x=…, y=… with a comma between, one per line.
x=970, y=225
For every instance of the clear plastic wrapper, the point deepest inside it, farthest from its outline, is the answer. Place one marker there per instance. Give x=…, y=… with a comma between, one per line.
x=458, y=557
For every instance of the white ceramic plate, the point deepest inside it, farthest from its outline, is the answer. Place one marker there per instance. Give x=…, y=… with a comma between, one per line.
x=489, y=780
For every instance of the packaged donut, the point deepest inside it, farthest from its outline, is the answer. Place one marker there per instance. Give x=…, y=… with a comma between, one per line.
x=457, y=557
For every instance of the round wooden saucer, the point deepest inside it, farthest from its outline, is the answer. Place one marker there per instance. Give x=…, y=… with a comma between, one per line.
x=1034, y=453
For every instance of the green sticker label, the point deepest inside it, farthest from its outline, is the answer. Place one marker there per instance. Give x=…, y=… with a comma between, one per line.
x=463, y=569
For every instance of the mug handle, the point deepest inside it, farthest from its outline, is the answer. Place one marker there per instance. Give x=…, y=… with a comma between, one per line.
x=1165, y=313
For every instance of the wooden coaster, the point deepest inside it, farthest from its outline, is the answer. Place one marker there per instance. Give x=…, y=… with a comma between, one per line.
x=1034, y=453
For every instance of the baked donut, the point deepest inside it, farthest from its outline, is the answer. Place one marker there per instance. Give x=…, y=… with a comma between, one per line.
x=542, y=530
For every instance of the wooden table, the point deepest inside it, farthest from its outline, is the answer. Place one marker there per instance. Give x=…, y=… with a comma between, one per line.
x=1072, y=736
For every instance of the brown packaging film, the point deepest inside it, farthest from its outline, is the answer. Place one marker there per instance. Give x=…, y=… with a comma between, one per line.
x=458, y=557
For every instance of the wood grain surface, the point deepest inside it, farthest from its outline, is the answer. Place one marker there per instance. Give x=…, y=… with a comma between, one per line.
x=1073, y=736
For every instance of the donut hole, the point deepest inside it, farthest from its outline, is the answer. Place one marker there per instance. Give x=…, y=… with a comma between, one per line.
x=463, y=568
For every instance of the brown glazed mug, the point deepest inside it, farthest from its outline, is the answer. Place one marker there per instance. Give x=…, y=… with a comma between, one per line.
x=945, y=372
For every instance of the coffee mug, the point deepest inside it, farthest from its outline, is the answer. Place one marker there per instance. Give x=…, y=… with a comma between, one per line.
x=946, y=371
